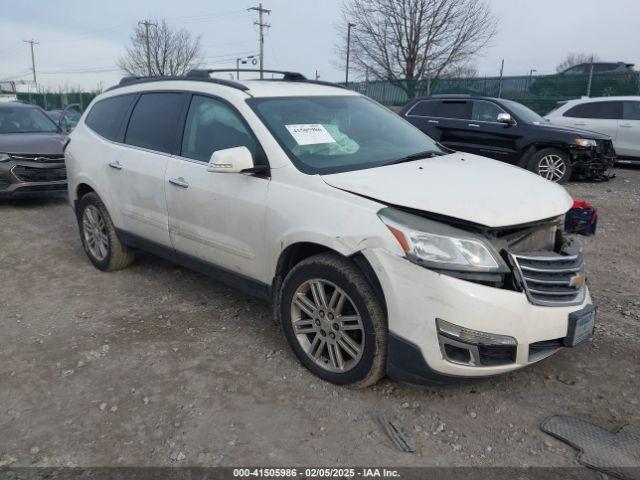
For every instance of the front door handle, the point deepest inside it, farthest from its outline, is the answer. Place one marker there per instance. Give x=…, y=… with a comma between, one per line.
x=580, y=124
x=115, y=164
x=179, y=182
x=434, y=121
x=474, y=125
x=626, y=125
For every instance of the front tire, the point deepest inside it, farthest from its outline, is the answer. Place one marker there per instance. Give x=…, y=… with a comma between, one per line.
x=98, y=235
x=552, y=164
x=333, y=321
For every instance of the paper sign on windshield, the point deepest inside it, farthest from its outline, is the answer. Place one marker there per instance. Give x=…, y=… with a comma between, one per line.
x=310, y=134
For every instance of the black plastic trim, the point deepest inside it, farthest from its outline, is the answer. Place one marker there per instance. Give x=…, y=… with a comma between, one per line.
x=245, y=284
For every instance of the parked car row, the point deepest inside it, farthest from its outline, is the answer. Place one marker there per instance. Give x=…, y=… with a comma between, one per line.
x=510, y=132
x=382, y=251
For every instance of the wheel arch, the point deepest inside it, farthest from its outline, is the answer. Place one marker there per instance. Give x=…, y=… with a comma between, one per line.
x=301, y=250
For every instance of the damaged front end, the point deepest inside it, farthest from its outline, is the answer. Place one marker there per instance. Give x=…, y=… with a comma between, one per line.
x=594, y=162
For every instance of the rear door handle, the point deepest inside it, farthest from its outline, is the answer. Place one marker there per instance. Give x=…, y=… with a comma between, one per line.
x=179, y=182
x=626, y=125
x=580, y=124
x=475, y=125
x=115, y=164
x=434, y=121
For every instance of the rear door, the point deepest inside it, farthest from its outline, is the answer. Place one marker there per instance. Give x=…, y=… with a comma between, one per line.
x=422, y=115
x=628, y=142
x=452, y=121
x=598, y=116
x=138, y=170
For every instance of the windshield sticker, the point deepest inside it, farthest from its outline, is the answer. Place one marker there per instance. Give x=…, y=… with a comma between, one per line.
x=310, y=134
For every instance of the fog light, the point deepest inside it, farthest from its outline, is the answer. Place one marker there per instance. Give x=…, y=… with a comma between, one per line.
x=474, y=337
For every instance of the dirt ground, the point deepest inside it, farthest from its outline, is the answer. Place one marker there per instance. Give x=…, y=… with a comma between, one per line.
x=157, y=365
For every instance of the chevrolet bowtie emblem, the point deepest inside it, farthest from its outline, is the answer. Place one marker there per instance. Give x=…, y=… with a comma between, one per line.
x=578, y=281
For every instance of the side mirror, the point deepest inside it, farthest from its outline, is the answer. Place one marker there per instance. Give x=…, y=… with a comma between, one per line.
x=506, y=119
x=231, y=160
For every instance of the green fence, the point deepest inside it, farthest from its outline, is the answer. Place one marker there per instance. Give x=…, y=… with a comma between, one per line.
x=50, y=101
x=540, y=93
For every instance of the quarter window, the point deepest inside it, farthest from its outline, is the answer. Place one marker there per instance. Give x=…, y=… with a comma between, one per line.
x=485, y=111
x=106, y=116
x=600, y=110
x=154, y=121
x=631, y=111
x=211, y=126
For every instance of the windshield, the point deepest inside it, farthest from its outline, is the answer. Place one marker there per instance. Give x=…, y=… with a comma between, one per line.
x=25, y=120
x=525, y=114
x=325, y=135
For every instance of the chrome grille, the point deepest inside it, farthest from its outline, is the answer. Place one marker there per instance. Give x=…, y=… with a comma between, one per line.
x=552, y=279
x=38, y=158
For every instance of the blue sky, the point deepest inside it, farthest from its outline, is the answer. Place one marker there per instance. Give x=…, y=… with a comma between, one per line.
x=80, y=40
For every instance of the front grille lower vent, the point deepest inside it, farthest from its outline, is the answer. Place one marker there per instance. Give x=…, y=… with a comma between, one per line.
x=552, y=279
x=32, y=174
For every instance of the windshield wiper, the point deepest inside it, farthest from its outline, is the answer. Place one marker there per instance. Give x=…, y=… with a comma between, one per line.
x=417, y=156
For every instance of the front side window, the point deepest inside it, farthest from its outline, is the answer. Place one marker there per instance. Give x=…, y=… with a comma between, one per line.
x=211, y=126
x=631, y=111
x=25, y=120
x=331, y=134
x=106, y=116
x=523, y=113
x=578, y=70
x=599, y=110
x=485, y=111
x=154, y=121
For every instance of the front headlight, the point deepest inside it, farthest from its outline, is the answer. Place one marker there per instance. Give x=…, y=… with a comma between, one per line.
x=437, y=245
x=4, y=157
x=586, y=142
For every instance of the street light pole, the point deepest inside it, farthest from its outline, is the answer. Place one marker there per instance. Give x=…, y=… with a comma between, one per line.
x=533, y=70
x=346, y=75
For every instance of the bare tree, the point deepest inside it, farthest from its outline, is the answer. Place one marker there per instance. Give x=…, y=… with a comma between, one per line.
x=573, y=59
x=407, y=40
x=173, y=52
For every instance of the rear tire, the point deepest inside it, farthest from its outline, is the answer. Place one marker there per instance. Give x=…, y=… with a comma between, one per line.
x=99, y=237
x=333, y=321
x=552, y=164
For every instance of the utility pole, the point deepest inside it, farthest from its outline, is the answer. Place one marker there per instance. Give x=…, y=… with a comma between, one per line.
x=590, y=79
x=346, y=74
x=501, y=76
x=261, y=11
x=32, y=42
x=531, y=72
x=147, y=24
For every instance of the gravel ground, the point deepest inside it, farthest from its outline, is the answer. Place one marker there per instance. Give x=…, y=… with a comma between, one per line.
x=157, y=365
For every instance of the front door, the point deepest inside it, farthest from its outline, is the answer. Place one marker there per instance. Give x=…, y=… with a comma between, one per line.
x=216, y=218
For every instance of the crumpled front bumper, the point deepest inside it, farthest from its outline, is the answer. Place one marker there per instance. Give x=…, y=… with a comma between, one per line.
x=594, y=163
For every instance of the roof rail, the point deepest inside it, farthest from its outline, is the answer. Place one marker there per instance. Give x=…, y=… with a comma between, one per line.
x=287, y=76
x=126, y=81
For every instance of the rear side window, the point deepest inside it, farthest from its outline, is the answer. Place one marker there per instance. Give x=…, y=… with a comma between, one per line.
x=154, y=121
x=106, y=116
x=426, y=108
x=452, y=109
x=632, y=110
x=601, y=110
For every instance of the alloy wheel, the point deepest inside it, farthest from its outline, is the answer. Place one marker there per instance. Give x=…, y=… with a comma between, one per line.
x=552, y=167
x=94, y=229
x=327, y=325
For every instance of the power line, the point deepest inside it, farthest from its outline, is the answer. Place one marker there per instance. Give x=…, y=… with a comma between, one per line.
x=261, y=11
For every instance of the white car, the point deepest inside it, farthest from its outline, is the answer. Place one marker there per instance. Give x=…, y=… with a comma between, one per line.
x=618, y=117
x=381, y=252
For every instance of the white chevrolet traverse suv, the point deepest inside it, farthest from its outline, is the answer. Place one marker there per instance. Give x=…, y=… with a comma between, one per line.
x=381, y=251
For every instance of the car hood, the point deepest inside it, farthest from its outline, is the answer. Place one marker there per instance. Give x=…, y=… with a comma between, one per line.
x=32, y=143
x=462, y=186
x=575, y=132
